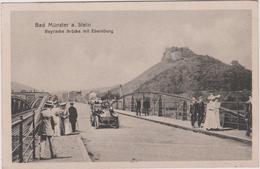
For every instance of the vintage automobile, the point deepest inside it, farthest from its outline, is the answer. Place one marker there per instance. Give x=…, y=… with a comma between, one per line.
x=103, y=115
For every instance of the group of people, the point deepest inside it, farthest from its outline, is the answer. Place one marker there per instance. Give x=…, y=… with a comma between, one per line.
x=146, y=106
x=197, y=110
x=209, y=113
x=55, y=120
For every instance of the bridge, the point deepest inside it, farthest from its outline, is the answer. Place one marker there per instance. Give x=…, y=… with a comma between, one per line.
x=165, y=109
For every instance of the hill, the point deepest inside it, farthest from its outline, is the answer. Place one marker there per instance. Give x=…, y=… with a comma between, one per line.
x=18, y=87
x=183, y=71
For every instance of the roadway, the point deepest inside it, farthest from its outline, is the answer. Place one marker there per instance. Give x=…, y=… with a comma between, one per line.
x=140, y=140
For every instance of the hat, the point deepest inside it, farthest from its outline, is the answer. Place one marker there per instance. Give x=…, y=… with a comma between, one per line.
x=49, y=103
x=211, y=97
x=71, y=103
x=63, y=104
x=217, y=97
x=55, y=102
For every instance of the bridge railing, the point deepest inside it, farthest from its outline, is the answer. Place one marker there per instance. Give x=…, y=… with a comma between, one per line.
x=25, y=133
x=159, y=107
x=232, y=114
x=24, y=138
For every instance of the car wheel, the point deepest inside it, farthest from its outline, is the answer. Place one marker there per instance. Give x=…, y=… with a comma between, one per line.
x=96, y=122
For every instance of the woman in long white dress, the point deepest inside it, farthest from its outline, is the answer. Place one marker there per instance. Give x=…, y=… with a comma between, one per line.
x=56, y=119
x=212, y=120
x=66, y=122
x=62, y=109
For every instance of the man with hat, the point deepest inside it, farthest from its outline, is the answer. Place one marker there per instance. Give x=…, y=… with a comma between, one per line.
x=138, y=107
x=200, y=111
x=73, y=115
x=46, y=129
x=56, y=117
x=62, y=117
x=249, y=116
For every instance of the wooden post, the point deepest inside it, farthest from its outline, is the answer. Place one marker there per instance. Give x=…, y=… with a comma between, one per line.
x=21, y=140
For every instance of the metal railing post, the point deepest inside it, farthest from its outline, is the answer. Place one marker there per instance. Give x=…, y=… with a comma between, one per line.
x=154, y=102
x=238, y=120
x=21, y=140
x=164, y=106
x=160, y=106
x=33, y=134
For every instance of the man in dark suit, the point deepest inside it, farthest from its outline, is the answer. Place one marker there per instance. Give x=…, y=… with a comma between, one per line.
x=193, y=111
x=73, y=115
x=249, y=116
x=200, y=111
x=138, y=107
x=146, y=106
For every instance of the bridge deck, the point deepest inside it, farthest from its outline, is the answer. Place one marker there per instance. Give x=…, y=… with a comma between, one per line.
x=234, y=134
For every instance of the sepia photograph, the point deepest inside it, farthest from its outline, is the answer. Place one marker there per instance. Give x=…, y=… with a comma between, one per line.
x=132, y=83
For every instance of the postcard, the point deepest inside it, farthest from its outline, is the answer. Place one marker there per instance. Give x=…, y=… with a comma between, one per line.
x=130, y=84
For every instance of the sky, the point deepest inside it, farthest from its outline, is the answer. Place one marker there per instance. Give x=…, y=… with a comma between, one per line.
x=73, y=61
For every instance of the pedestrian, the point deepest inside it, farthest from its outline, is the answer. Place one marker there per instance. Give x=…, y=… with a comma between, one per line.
x=146, y=106
x=64, y=118
x=193, y=111
x=46, y=129
x=56, y=117
x=212, y=121
x=138, y=107
x=73, y=115
x=200, y=111
x=249, y=116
